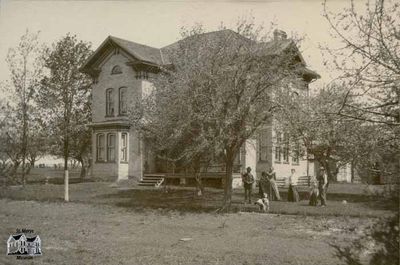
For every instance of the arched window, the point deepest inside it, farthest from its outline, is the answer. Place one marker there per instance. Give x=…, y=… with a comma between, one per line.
x=123, y=108
x=116, y=70
x=109, y=102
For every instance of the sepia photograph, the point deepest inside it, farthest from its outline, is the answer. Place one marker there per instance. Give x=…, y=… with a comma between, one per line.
x=199, y=132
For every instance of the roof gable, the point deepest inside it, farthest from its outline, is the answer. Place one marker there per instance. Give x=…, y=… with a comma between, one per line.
x=142, y=54
x=137, y=52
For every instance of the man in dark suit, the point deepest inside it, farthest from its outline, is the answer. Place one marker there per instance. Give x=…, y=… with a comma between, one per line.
x=248, y=180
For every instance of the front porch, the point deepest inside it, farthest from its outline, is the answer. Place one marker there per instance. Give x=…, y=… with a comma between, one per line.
x=211, y=178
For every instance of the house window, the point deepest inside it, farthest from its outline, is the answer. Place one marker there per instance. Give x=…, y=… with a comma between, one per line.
x=296, y=154
x=116, y=70
x=110, y=147
x=109, y=102
x=124, y=147
x=122, y=101
x=263, y=146
x=278, y=147
x=285, y=148
x=100, y=147
x=142, y=75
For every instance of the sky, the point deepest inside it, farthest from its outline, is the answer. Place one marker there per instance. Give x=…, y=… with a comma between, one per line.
x=158, y=23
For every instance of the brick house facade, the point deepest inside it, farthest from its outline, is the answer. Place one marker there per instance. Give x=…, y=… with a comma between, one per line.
x=121, y=71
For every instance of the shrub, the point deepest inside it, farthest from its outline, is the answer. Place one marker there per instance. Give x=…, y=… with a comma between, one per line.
x=378, y=246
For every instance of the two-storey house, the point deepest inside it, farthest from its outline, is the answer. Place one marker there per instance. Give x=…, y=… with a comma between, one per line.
x=121, y=72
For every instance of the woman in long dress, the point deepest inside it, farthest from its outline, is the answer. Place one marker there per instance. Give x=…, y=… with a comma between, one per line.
x=273, y=187
x=264, y=185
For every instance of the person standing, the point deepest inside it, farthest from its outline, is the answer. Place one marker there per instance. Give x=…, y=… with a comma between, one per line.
x=264, y=185
x=293, y=195
x=314, y=193
x=248, y=180
x=273, y=187
x=322, y=185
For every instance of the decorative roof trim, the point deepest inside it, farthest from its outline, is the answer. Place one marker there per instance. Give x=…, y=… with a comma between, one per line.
x=119, y=124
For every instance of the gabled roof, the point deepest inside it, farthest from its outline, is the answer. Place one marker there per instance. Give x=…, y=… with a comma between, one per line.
x=272, y=47
x=144, y=54
x=208, y=36
x=139, y=52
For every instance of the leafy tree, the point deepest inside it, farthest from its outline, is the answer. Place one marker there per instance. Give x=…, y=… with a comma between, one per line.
x=81, y=136
x=37, y=145
x=10, y=151
x=219, y=91
x=380, y=240
x=331, y=139
x=368, y=59
x=25, y=72
x=369, y=65
x=64, y=95
x=309, y=119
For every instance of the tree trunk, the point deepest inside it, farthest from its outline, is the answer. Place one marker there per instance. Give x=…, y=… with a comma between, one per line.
x=228, y=182
x=13, y=176
x=196, y=165
x=199, y=183
x=28, y=169
x=353, y=164
x=66, y=173
x=83, y=168
x=23, y=172
x=24, y=125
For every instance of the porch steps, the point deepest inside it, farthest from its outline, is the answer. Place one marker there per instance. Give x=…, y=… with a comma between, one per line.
x=152, y=180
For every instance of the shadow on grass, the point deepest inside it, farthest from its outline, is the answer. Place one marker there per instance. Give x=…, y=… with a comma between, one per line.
x=60, y=181
x=184, y=200
x=179, y=200
x=374, y=202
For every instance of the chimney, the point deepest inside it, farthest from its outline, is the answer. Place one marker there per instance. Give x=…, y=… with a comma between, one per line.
x=280, y=35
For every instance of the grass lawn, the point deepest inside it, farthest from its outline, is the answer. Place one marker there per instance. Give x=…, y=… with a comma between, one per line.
x=77, y=233
x=109, y=224
x=185, y=199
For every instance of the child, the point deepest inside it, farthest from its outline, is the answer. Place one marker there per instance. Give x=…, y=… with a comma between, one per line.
x=314, y=193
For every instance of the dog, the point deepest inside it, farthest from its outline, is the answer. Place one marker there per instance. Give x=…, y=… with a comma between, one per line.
x=263, y=203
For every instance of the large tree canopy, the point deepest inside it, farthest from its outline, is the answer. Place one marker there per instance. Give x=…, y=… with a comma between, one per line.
x=369, y=65
x=368, y=60
x=20, y=132
x=217, y=92
x=64, y=98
